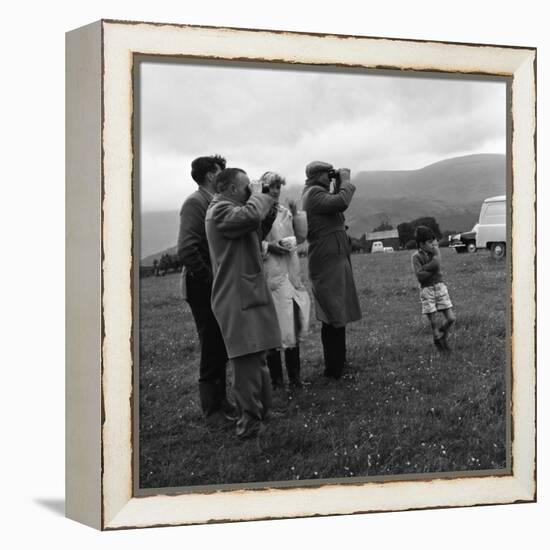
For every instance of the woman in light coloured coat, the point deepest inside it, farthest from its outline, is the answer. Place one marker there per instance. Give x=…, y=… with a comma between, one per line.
x=282, y=269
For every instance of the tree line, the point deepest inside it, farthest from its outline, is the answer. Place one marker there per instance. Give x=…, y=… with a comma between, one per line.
x=166, y=263
x=405, y=232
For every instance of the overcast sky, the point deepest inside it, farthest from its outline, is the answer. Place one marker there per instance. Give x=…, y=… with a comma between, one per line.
x=268, y=119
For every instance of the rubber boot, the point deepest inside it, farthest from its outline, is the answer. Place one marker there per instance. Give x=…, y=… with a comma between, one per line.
x=292, y=361
x=275, y=367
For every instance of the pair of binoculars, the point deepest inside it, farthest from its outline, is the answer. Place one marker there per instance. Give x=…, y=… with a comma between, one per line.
x=334, y=175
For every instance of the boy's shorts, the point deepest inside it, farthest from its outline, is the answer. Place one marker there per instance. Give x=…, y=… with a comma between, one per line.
x=435, y=298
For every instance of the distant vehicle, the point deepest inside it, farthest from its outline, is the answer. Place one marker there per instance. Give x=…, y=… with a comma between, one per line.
x=464, y=242
x=388, y=249
x=377, y=246
x=491, y=230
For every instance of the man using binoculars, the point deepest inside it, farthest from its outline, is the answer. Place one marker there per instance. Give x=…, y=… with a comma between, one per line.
x=329, y=250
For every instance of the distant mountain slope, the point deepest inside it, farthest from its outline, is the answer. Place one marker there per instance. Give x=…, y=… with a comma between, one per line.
x=159, y=231
x=451, y=190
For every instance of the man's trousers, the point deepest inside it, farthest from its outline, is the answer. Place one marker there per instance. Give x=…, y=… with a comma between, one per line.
x=212, y=381
x=292, y=363
x=334, y=349
x=252, y=392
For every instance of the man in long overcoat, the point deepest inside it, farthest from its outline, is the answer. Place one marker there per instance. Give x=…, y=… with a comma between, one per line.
x=197, y=287
x=241, y=300
x=329, y=249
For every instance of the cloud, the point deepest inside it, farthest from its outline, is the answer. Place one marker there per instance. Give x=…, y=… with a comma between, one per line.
x=273, y=119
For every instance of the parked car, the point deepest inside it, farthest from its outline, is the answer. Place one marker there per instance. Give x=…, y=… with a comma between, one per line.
x=388, y=249
x=464, y=242
x=377, y=246
x=491, y=230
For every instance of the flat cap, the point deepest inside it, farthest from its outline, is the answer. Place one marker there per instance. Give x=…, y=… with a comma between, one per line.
x=317, y=167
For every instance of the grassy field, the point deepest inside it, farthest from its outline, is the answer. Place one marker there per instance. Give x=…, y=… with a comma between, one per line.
x=401, y=408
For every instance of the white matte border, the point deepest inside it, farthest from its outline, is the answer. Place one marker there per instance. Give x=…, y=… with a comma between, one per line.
x=121, y=40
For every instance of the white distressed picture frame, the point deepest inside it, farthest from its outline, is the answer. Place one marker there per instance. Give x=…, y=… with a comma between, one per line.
x=100, y=301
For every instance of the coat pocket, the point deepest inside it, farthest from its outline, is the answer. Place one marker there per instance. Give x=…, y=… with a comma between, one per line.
x=253, y=289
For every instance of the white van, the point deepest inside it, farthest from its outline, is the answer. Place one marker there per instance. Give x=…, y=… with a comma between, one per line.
x=491, y=230
x=377, y=246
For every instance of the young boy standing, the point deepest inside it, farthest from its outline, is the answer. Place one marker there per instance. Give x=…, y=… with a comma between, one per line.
x=426, y=264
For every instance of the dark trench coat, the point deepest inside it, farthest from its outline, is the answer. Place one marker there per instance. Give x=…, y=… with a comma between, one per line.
x=330, y=271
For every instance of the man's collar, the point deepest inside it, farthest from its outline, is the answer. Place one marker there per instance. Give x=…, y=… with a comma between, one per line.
x=205, y=192
x=223, y=196
x=317, y=184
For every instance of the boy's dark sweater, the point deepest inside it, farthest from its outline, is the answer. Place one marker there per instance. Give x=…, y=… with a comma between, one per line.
x=427, y=268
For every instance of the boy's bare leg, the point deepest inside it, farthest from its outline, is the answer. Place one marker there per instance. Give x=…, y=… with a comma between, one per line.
x=438, y=334
x=450, y=318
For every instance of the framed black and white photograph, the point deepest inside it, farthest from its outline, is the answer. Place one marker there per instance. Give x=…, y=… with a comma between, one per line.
x=310, y=263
